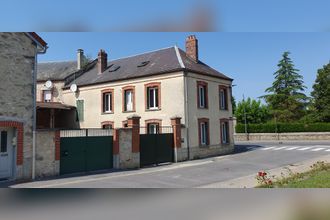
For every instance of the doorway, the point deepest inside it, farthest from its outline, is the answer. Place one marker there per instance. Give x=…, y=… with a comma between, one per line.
x=6, y=153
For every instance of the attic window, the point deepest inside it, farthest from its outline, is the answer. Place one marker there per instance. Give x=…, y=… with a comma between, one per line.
x=144, y=63
x=113, y=68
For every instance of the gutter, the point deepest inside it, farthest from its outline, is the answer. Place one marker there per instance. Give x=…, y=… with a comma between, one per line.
x=186, y=110
x=40, y=50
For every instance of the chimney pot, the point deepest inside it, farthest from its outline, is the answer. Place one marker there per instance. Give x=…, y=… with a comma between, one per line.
x=102, y=61
x=80, y=58
x=192, y=47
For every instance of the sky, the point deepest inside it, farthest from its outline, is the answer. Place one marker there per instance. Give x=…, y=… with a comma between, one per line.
x=249, y=58
x=225, y=15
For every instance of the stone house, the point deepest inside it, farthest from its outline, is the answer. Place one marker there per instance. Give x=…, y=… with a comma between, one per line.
x=18, y=58
x=155, y=86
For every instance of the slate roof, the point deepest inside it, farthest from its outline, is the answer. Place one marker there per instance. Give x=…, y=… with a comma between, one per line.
x=157, y=62
x=55, y=70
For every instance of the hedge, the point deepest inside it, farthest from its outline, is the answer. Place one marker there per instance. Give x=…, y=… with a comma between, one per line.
x=283, y=127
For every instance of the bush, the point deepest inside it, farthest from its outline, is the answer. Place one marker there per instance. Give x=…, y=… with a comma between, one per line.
x=283, y=127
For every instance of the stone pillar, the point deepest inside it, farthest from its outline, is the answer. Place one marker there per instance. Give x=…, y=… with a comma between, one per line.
x=124, y=157
x=134, y=123
x=176, y=124
x=115, y=149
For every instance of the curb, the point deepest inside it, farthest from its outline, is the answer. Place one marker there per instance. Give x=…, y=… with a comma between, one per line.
x=251, y=182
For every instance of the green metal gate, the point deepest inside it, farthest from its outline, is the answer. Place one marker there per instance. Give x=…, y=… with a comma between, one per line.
x=86, y=153
x=156, y=149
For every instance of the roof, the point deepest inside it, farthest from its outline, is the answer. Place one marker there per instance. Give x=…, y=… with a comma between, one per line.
x=55, y=70
x=38, y=38
x=54, y=105
x=151, y=63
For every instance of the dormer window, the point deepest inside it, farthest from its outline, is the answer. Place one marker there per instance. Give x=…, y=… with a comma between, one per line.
x=144, y=63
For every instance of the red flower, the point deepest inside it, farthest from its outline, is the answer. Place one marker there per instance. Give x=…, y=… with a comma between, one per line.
x=260, y=173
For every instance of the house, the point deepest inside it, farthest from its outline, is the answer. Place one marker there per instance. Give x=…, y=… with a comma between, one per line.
x=18, y=62
x=156, y=86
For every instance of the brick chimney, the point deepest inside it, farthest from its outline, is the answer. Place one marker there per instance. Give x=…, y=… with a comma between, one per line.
x=192, y=47
x=80, y=58
x=102, y=61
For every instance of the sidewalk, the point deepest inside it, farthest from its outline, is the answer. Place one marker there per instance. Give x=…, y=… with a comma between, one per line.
x=251, y=182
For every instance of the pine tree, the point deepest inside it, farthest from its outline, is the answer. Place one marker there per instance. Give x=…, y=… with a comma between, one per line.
x=321, y=94
x=286, y=99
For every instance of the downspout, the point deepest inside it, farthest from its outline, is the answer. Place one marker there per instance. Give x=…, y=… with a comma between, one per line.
x=186, y=113
x=34, y=95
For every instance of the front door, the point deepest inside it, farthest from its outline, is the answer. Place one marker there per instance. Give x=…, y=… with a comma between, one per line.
x=6, y=153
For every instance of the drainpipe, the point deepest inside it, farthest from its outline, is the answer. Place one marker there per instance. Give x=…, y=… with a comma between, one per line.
x=34, y=95
x=186, y=118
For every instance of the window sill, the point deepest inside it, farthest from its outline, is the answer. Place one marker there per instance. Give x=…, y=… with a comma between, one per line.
x=203, y=108
x=224, y=110
x=107, y=113
x=152, y=110
x=129, y=111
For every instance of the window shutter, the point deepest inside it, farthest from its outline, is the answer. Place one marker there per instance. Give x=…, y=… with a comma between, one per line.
x=80, y=110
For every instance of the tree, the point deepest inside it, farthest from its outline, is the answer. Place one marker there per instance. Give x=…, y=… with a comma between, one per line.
x=233, y=102
x=256, y=113
x=321, y=94
x=286, y=99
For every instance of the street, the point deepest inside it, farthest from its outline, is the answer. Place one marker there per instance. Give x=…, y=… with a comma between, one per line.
x=248, y=159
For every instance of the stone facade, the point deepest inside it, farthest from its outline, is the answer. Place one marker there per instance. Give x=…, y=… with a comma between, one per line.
x=309, y=136
x=46, y=163
x=17, y=58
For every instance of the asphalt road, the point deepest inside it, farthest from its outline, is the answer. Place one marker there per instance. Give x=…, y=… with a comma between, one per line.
x=248, y=159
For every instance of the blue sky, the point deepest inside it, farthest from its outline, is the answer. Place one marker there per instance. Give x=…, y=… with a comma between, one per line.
x=249, y=58
x=228, y=15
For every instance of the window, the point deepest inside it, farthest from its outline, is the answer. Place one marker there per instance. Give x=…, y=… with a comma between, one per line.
x=107, y=101
x=202, y=94
x=203, y=128
x=128, y=99
x=47, y=95
x=223, y=98
x=107, y=125
x=153, y=96
x=224, y=129
x=3, y=142
x=153, y=126
x=80, y=110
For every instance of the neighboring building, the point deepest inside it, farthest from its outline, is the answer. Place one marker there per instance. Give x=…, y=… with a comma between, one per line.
x=156, y=86
x=18, y=57
x=52, y=76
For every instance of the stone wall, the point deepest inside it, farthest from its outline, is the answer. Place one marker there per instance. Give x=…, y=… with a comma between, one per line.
x=202, y=152
x=126, y=158
x=46, y=165
x=309, y=136
x=17, y=56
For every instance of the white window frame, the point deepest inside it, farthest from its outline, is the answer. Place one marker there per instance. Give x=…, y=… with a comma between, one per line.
x=107, y=108
x=154, y=90
x=203, y=133
x=128, y=107
x=202, y=101
x=222, y=99
x=47, y=93
x=224, y=132
x=154, y=127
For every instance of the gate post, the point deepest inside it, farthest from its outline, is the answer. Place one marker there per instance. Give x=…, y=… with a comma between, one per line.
x=176, y=125
x=134, y=123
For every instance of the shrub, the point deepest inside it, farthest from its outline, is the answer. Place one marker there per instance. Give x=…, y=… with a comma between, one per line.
x=283, y=127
